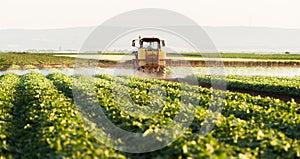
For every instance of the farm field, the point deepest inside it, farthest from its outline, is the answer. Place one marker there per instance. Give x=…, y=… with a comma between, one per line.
x=265, y=56
x=286, y=85
x=196, y=59
x=14, y=61
x=175, y=72
x=180, y=80
x=31, y=61
x=281, y=86
x=40, y=119
x=251, y=56
x=177, y=57
x=28, y=58
x=40, y=116
x=17, y=61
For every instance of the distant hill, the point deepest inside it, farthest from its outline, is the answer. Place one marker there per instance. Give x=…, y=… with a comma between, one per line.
x=253, y=39
x=68, y=38
x=226, y=39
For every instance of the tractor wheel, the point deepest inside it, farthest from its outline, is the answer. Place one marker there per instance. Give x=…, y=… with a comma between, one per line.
x=162, y=71
x=141, y=69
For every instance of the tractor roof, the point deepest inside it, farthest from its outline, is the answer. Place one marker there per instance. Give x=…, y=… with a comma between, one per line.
x=150, y=39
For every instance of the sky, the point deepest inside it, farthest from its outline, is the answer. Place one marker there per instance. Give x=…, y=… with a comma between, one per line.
x=48, y=14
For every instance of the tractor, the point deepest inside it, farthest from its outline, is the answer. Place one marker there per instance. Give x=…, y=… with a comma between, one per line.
x=150, y=58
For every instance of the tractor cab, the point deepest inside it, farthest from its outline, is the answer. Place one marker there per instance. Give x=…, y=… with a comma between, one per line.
x=150, y=43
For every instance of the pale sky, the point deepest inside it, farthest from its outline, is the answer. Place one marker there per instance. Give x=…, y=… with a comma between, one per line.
x=46, y=14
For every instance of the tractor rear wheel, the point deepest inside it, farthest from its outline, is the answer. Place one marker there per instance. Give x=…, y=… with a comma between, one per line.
x=162, y=71
x=141, y=69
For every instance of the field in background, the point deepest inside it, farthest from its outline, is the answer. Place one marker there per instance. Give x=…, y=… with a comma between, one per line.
x=282, y=56
x=68, y=60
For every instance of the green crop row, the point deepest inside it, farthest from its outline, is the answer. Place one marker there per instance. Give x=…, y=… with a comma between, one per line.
x=250, y=125
x=30, y=59
x=47, y=119
x=8, y=84
x=45, y=124
x=286, y=85
x=258, y=117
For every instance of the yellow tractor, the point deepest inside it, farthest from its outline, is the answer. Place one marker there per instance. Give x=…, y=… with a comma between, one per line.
x=150, y=58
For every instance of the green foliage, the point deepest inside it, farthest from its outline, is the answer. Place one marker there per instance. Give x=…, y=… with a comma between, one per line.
x=39, y=118
x=8, y=84
x=31, y=59
x=45, y=124
x=286, y=85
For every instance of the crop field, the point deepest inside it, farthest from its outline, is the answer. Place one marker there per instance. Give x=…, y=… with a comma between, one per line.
x=43, y=116
x=25, y=58
x=15, y=61
x=39, y=118
x=223, y=55
x=248, y=56
x=23, y=61
x=84, y=81
x=284, y=86
x=28, y=61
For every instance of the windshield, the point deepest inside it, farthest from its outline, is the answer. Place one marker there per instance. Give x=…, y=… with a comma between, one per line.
x=151, y=45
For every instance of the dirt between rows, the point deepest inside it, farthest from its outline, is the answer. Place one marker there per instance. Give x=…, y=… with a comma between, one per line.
x=281, y=96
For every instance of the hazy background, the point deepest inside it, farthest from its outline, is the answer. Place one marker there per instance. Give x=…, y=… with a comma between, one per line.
x=233, y=25
x=226, y=39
